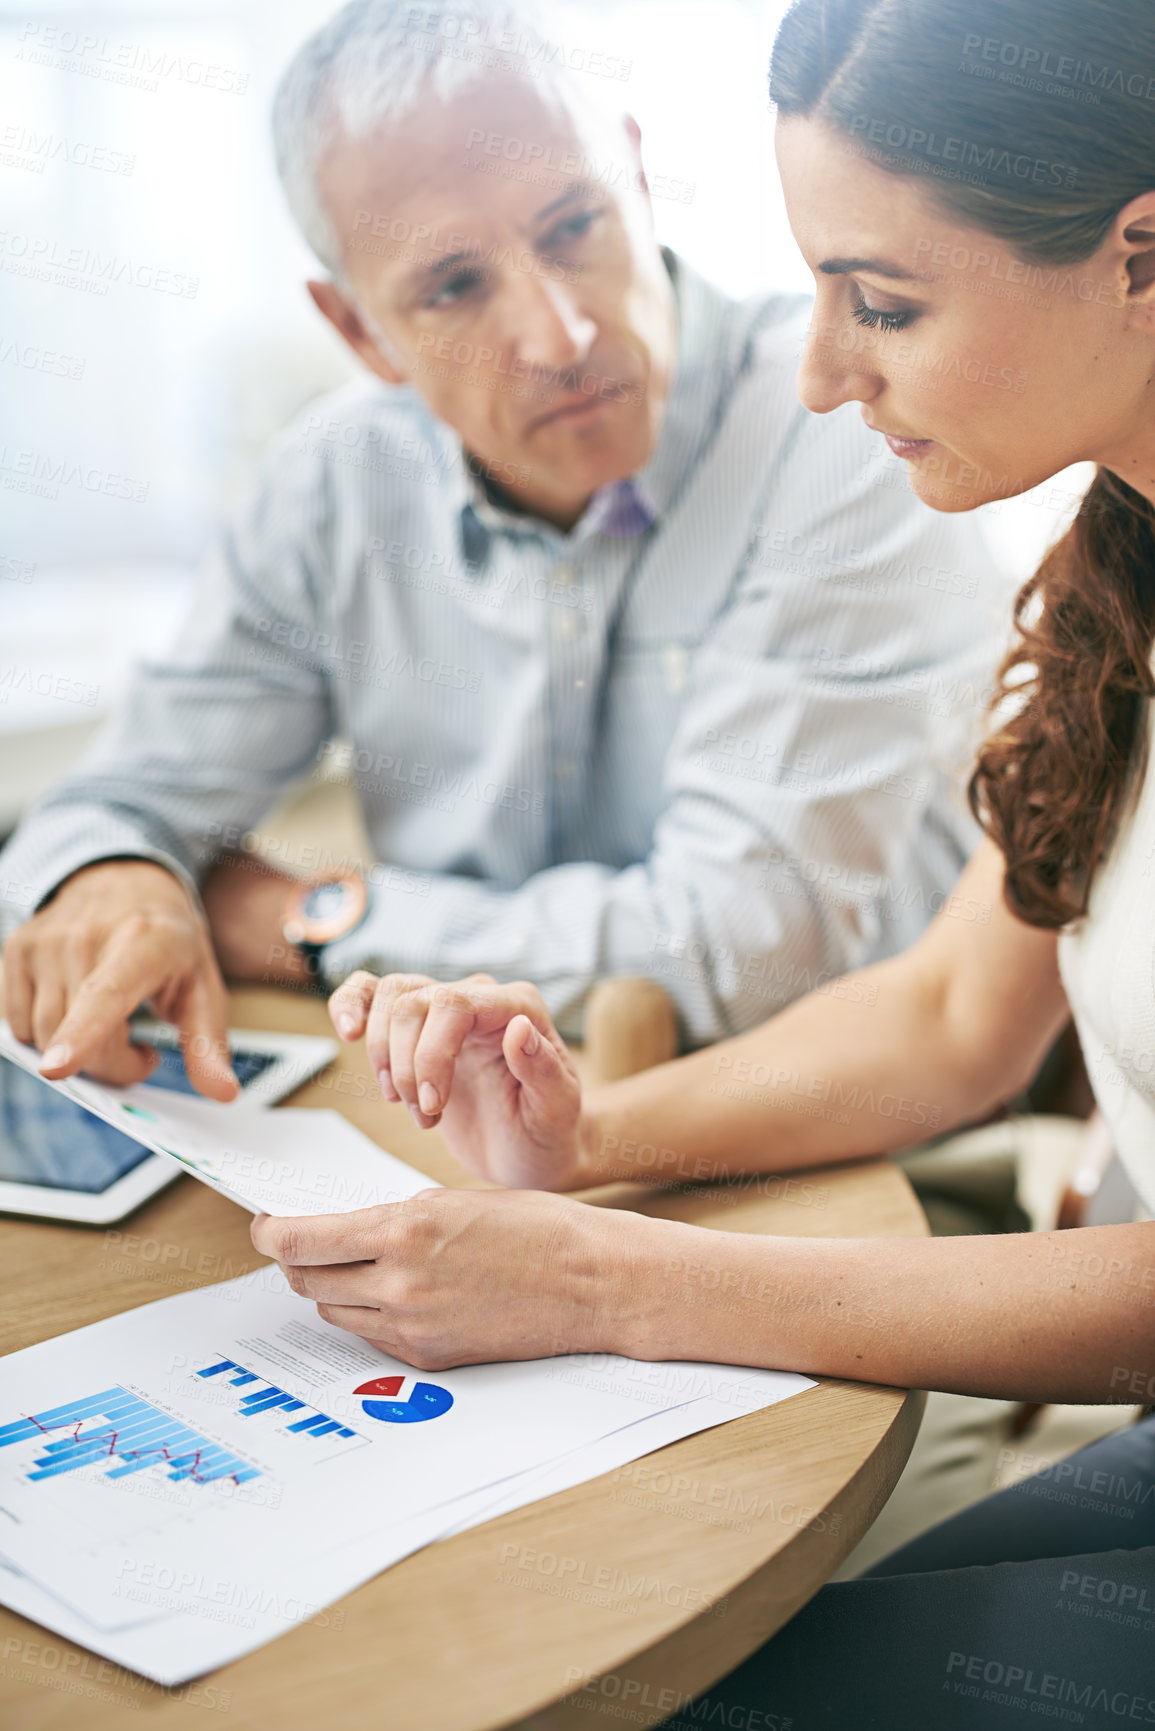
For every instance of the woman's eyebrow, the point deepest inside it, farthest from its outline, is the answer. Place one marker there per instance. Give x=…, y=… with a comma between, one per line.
x=876, y=266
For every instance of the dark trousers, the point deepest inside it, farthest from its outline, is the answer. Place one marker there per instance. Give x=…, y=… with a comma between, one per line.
x=1037, y=1606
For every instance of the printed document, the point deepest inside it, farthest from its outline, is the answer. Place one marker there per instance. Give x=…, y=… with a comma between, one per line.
x=182, y=1481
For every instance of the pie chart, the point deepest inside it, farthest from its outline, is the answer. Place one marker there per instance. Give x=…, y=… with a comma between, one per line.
x=393, y=1404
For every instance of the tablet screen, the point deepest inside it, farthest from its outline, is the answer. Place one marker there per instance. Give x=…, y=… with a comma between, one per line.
x=170, y=1072
x=48, y=1140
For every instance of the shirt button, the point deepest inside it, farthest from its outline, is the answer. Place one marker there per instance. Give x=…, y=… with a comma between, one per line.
x=565, y=768
x=565, y=627
x=562, y=575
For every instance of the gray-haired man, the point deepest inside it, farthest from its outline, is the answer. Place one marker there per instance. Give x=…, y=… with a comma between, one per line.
x=640, y=666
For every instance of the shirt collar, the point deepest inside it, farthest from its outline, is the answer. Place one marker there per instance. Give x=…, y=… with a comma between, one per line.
x=623, y=509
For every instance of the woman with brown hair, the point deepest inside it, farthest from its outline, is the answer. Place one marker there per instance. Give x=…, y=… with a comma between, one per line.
x=973, y=185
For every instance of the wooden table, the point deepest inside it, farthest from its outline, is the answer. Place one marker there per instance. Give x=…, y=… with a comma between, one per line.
x=653, y=1581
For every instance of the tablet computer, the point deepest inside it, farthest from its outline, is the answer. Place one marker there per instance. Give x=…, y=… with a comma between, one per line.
x=60, y=1162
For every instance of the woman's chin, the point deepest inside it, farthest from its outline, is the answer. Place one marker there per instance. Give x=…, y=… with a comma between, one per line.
x=953, y=487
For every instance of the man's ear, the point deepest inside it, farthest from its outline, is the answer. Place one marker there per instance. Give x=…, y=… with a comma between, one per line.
x=634, y=146
x=348, y=323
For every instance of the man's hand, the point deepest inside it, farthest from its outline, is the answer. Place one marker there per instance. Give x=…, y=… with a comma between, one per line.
x=474, y=1276
x=482, y=1061
x=116, y=935
x=245, y=903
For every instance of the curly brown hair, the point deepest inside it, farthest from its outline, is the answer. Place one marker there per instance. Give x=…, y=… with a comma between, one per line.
x=1053, y=777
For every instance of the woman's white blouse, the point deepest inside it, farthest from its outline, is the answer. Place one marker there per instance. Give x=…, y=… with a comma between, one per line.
x=1107, y=961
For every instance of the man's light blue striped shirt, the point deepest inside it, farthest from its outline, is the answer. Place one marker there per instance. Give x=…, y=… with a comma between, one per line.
x=720, y=747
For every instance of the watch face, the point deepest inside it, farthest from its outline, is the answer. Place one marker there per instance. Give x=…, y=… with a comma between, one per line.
x=319, y=913
x=326, y=902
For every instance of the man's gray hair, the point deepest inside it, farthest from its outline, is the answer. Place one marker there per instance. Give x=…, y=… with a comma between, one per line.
x=375, y=59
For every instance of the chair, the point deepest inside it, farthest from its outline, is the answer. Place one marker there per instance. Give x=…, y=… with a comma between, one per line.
x=630, y=1025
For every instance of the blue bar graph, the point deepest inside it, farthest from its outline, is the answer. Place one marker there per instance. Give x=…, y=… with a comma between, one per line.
x=128, y=1431
x=270, y=1398
x=132, y=1434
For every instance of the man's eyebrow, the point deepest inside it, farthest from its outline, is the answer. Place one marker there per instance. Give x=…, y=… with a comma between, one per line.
x=436, y=268
x=431, y=270
x=579, y=189
x=449, y=262
x=876, y=267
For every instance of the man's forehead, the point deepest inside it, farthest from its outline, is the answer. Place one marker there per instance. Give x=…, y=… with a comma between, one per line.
x=497, y=150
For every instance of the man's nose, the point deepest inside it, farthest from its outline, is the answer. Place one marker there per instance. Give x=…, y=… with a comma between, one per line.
x=551, y=331
x=832, y=373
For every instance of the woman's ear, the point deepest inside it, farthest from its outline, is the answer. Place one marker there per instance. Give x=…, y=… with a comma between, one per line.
x=1128, y=253
x=345, y=318
x=1141, y=263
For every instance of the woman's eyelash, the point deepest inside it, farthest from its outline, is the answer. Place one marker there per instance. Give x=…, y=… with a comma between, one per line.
x=875, y=319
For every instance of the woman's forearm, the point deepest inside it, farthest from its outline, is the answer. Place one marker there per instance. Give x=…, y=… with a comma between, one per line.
x=828, y=1079
x=831, y=1078
x=1060, y=1316
x=878, y=1060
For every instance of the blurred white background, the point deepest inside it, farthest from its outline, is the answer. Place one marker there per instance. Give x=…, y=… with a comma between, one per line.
x=154, y=330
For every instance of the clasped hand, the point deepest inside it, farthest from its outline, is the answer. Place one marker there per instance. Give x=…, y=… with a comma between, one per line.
x=469, y=1276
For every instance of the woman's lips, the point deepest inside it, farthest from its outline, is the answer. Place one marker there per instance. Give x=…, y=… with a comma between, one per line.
x=908, y=447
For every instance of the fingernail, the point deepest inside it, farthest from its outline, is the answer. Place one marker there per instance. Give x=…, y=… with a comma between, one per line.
x=531, y=1042
x=56, y=1057
x=430, y=1099
x=346, y=1026
x=385, y=1083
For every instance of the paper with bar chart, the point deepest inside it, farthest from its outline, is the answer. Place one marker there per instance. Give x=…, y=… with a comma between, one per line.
x=187, y=1480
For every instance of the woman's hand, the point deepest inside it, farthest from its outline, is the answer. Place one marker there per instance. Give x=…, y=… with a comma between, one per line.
x=483, y=1062
x=470, y=1276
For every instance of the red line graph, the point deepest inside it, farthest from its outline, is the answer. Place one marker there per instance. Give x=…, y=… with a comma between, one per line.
x=190, y=1464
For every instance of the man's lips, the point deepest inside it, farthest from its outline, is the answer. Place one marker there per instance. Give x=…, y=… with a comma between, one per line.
x=577, y=408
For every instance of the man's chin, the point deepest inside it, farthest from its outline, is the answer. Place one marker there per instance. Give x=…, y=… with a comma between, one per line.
x=597, y=449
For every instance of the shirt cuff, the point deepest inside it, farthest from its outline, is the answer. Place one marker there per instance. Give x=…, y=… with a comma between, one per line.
x=410, y=928
x=60, y=843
